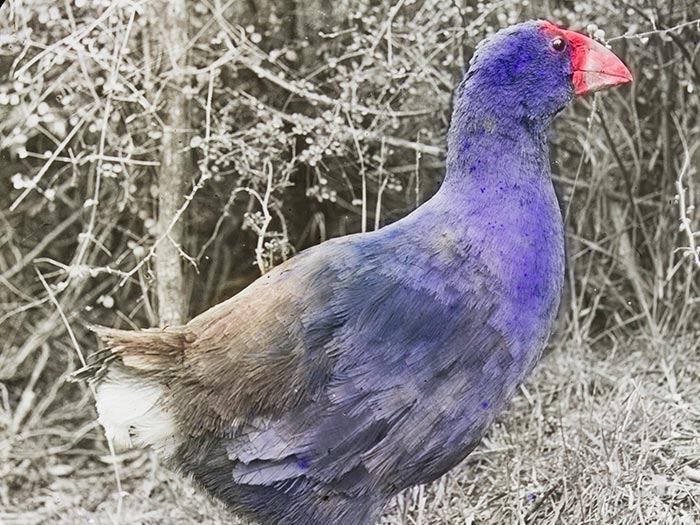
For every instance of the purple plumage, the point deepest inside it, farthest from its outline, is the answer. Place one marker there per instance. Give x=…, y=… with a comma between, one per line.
x=376, y=361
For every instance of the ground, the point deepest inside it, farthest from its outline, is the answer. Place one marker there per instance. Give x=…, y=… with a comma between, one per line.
x=600, y=434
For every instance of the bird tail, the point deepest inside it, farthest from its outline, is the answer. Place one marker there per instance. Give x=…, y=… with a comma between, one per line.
x=131, y=374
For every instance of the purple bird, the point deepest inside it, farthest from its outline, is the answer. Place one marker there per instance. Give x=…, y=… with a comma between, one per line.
x=376, y=361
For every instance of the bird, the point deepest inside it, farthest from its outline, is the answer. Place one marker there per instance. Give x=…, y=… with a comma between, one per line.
x=375, y=361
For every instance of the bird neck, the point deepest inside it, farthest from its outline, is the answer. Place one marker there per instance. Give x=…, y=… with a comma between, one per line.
x=498, y=203
x=498, y=193
x=493, y=147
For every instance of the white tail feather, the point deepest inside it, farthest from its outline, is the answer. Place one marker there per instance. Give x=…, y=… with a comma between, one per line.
x=131, y=412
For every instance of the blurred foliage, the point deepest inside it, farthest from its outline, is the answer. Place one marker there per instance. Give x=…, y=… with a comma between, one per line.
x=311, y=120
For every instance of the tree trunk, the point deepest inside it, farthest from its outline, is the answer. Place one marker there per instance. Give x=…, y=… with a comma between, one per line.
x=175, y=163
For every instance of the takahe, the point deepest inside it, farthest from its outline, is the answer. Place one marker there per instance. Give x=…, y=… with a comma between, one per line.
x=376, y=361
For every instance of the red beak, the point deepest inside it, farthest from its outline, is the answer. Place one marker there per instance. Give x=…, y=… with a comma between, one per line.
x=595, y=66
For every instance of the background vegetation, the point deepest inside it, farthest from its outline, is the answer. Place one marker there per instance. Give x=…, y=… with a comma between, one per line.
x=272, y=126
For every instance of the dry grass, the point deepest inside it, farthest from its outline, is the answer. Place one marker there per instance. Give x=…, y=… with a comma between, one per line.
x=605, y=432
x=599, y=435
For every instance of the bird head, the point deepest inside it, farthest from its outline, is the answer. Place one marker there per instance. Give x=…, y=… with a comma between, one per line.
x=534, y=69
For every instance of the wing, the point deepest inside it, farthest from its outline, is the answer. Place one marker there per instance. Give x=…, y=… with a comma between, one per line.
x=416, y=379
x=262, y=353
x=371, y=358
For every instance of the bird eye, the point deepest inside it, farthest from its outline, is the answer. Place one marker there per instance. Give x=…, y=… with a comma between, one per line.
x=558, y=43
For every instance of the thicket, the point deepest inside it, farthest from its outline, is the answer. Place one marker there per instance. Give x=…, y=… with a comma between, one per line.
x=306, y=120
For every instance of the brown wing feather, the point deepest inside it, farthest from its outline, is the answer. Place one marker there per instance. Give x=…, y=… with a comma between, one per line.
x=249, y=358
x=246, y=359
